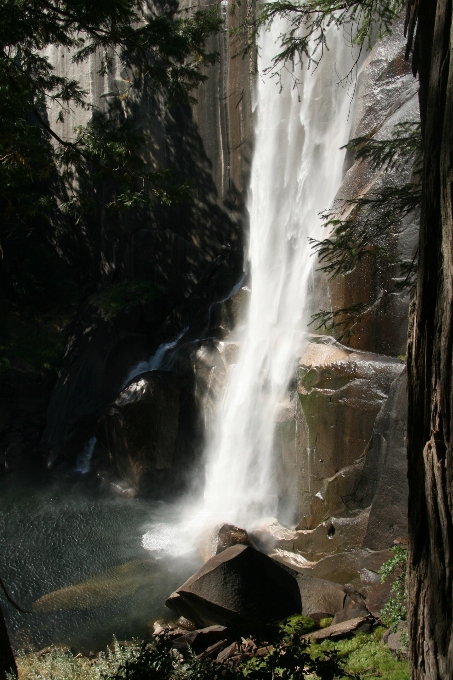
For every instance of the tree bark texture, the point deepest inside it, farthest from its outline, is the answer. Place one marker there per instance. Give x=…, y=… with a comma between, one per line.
x=430, y=354
x=7, y=662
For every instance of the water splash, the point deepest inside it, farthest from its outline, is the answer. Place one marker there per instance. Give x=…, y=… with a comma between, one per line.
x=296, y=170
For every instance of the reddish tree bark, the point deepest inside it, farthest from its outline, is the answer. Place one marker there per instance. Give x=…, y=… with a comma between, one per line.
x=430, y=354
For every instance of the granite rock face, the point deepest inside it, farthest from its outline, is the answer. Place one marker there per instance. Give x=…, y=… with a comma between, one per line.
x=387, y=94
x=342, y=450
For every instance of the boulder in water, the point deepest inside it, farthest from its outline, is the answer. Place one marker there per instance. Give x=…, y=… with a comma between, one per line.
x=239, y=586
x=139, y=429
x=220, y=537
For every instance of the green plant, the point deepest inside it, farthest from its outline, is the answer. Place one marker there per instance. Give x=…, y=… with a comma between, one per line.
x=363, y=656
x=62, y=664
x=326, y=622
x=396, y=608
x=305, y=38
x=296, y=625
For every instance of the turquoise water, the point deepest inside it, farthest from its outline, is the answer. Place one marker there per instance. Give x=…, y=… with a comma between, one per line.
x=55, y=538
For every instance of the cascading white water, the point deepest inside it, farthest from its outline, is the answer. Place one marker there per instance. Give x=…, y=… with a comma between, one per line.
x=296, y=170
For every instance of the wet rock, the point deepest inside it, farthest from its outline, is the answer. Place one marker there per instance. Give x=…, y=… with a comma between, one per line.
x=348, y=567
x=139, y=430
x=291, y=559
x=271, y=535
x=337, y=534
x=385, y=471
x=220, y=537
x=386, y=95
x=238, y=586
x=230, y=535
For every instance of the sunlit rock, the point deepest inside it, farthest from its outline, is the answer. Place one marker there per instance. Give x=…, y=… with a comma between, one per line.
x=387, y=94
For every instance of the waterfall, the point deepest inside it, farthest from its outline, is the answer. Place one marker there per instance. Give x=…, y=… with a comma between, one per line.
x=156, y=362
x=296, y=171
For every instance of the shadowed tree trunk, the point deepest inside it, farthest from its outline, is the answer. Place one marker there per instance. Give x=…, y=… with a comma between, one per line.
x=7, y=663
x=430, y=417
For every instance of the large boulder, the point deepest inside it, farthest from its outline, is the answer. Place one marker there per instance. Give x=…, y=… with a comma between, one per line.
x=138, y=431
x=319, y=595
x=239, y=586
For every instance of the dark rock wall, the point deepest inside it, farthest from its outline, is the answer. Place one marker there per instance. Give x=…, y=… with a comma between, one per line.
x=192, y=251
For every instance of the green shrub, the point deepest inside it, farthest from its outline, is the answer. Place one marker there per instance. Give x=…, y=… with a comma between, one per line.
x=297, y=625
x=62, y=664
x=364, y=656
x=396, y=608
x=326, y=622
x=359, y=657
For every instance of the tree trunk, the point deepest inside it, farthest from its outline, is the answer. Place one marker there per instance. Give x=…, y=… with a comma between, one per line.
x=7, y=663
x=430, y=349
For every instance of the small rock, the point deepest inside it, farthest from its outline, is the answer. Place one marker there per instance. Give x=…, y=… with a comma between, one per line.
x=228, y=652
x=231, y=535
x=397, y=641
x=336, y=631
x=202, y=639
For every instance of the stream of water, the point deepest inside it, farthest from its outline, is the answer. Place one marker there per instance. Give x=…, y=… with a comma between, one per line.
x=296, y=171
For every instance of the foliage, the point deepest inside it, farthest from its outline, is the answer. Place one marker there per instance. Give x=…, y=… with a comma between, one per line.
x=296, y=625
x=369, y=224
x=308, y=22
x=166, y=50
x=396, y=608
x=326, y=622
x=112, y=299
x=364, y=656
x=403, y=148
x=359, y=657
x=61, y=664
